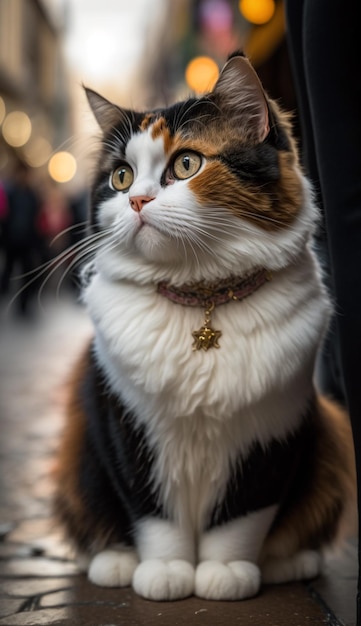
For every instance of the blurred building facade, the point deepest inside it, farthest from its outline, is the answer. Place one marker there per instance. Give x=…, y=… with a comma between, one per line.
x=34, y=106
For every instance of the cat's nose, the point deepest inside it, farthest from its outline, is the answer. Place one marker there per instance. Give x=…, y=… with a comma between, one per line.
x=138, y=202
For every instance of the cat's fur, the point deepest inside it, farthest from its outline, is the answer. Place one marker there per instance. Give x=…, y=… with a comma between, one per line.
x=203, y=472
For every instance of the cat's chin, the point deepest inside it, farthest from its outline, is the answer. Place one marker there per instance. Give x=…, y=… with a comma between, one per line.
x=156, y=246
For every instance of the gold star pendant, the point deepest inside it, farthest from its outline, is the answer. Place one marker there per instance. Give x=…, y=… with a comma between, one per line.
x=206, y=338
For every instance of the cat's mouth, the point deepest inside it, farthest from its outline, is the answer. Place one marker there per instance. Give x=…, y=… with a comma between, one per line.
x=154, y=242
x=144, y=225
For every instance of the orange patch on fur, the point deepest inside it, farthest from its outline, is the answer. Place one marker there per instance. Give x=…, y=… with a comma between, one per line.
x=146, y=122
x=73, y=438
x=160, y=129
x=269, y=207
x=69, y=506
x=209, y=144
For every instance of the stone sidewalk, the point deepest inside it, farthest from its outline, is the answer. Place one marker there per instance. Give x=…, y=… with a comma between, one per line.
x=39, y=580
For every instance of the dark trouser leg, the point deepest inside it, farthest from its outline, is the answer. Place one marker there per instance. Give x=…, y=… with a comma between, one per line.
x=328, y=49
x=328, y=370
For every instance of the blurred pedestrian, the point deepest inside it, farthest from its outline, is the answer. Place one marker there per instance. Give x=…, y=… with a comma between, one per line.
x=3, y=211
x=3, y=202
x=20, y=240
x=54, y=221
x=324, y=47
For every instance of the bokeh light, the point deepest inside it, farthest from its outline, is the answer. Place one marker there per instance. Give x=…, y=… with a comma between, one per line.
x=257, y=11
x=62, y=167
x=37, y=151
x=16, y=129
x=201, y=74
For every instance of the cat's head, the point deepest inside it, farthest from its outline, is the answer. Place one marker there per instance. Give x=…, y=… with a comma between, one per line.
x=204, y=188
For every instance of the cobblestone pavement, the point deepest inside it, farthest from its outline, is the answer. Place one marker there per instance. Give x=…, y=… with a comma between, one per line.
x=39, y=580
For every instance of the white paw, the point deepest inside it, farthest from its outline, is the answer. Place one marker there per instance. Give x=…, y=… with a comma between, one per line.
x=160, y=580
x=227, y=581
x=302, y=566
x=113, y=568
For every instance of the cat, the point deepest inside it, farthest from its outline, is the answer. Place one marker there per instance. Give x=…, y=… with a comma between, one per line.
x=197, y=456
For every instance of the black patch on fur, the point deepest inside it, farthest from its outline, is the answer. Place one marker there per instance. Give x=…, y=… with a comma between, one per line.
x=116, y=462
x=277, y=136
x=263, y=478
x=190, y=115
x=257, y=163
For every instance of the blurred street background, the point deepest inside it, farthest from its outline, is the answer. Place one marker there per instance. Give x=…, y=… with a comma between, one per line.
x=139, y=54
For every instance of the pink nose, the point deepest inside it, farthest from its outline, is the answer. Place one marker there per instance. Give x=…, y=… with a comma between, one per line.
x=138, y=202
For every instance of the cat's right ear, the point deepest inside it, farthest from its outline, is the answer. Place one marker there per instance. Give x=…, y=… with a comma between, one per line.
x=106, y=114
x=242, y=95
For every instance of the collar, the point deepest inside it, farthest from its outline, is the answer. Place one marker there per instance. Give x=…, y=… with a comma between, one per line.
x=209, y=295
x=205, y=294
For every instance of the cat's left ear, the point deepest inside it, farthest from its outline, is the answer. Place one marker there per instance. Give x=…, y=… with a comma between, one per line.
x=106, y=113
x=241, y=94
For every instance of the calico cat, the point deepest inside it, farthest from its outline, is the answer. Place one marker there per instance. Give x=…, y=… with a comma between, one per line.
x=197, y=457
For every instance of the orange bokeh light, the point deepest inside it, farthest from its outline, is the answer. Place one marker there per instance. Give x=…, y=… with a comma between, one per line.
x=62, y=167
x=257, y=11
x=201, y=74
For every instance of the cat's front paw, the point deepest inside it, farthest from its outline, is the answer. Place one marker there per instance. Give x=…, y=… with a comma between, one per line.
x=113, y=568
x=227, y=581
x=160, y=580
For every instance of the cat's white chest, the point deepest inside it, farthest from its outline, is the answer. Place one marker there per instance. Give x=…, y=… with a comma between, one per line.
x=194, y=457
x=144, y=344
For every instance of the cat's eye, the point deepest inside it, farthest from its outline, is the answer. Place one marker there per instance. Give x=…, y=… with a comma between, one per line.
x=122, y=177
x=186, y=165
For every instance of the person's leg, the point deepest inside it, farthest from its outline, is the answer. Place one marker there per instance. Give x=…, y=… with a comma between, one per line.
x=331, y=56
x=295, y=41
x=328, y=370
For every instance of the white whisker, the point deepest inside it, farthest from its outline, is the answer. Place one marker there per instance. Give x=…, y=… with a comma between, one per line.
x=82, y=248
x=81, y=226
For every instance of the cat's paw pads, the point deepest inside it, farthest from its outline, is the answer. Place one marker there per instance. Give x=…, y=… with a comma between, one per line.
x=302, y=566
x=227, y=581
x=159, y=580
x=112, y=568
